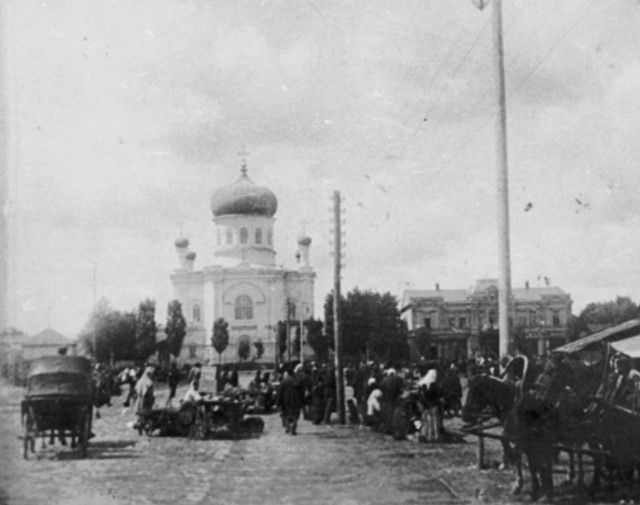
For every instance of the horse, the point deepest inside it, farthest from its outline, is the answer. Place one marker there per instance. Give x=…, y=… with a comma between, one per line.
x=530, y=423
x=570, y=385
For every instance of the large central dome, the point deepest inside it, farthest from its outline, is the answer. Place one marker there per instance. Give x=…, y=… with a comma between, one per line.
x=244, y=197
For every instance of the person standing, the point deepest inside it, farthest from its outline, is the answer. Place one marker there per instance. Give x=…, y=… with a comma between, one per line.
x=291, y=400
x=194, y=375
x=173, y=378
x=391, y=387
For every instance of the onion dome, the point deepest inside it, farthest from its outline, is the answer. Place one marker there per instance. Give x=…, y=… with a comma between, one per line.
x=190, y=256
x=244, y=197
x=304, y=240
x=182, y=243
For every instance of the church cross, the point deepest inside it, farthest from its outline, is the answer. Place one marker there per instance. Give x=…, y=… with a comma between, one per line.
x=243, y=153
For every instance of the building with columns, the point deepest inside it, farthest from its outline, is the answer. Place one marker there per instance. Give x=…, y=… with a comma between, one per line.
x=243, y=283
x=461, y=323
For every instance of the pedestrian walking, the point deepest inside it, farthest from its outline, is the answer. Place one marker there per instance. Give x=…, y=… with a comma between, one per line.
x=291, y=400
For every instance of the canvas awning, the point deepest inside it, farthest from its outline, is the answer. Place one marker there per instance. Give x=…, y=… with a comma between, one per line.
x=629, y=346
x=613, y=334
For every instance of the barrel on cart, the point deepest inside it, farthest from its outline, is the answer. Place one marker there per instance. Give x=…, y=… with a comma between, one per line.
x=58, y=402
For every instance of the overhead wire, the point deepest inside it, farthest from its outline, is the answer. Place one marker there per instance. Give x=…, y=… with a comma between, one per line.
x=467, y=142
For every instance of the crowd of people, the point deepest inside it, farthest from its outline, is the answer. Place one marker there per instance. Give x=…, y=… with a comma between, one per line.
x=374, y=394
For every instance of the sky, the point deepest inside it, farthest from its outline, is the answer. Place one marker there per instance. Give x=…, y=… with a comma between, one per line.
x=125, y=116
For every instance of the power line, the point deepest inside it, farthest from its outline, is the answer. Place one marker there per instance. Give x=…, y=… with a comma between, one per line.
x=484, y=105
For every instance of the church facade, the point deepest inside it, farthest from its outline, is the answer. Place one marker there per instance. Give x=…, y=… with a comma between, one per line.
x=243, y=284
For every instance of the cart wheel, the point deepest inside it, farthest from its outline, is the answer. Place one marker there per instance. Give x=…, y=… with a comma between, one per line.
x=198, y=431
x=149, y=427
x=165, y=425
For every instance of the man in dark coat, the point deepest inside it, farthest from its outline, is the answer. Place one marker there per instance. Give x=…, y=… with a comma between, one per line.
x=291, y=399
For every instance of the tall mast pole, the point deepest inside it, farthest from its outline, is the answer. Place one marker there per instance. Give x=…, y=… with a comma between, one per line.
x=337, y=264
x=504, y=254
x=5, y=244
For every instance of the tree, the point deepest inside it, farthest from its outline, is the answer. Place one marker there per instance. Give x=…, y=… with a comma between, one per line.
x=220, y=336
x=371, y=326
x=295, y=339
x=176, y=328
x=146, y=329
x=609, y=313
x=259, y=349
x=282, y=338
x=244, y=350
x=109, y=334
x=317, y=340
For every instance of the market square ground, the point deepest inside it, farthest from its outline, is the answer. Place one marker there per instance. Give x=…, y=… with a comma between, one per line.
x=338, y=465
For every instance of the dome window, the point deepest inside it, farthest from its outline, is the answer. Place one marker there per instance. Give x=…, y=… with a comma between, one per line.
x=229, y=236
x=244, y=236
x=258, y=235
x=196, y=313
x=269, y=238
x=244, y=307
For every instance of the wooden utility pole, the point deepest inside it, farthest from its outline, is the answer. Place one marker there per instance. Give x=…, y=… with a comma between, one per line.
x=301, y=332
x=504, y=254
x=337, y=337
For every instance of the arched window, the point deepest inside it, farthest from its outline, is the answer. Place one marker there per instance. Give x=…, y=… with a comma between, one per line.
x=269, y=238
x=258, y=235
x=244, y=236
x=196, y=313
x=244, y=307
x=219, y=233
x=229, y=235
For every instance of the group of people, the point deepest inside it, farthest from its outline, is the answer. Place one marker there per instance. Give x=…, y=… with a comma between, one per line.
x=373, y=392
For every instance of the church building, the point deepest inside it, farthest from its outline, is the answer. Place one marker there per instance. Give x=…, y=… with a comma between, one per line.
x=242, y=284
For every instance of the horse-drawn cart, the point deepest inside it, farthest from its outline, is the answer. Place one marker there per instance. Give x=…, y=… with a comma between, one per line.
x=58, y=402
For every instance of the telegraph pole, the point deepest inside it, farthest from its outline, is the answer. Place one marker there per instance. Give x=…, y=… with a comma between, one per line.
x=301, y=332
x=337, y=337
x=504, y=254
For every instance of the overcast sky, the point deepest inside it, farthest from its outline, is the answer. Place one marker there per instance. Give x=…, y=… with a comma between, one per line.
x=125, y=115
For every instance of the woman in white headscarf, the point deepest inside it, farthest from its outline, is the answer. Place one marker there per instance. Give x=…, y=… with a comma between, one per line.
x=144, y=391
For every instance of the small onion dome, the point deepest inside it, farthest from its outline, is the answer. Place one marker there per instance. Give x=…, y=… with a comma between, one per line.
x=190, y=256
x=182, y=242
x=244, y=197
x=304, y=240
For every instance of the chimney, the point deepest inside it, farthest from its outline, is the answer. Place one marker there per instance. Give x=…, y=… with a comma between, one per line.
x=437, y=286
x=526, y=285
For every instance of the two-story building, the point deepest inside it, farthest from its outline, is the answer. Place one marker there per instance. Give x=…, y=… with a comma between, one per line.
x=460, y=323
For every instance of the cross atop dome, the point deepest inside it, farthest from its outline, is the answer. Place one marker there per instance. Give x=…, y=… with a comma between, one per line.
x=243, y=153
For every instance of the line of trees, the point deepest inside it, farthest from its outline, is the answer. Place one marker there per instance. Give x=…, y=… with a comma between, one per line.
x=132, y=335
x=372, y=329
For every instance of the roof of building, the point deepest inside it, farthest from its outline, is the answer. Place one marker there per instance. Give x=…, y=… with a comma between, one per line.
x=531, y=294
x=612, y=334
x=48, y=337
x=244, y=197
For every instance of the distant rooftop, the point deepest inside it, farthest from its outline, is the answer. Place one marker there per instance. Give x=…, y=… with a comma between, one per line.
x=478, y=287
x=48, y=337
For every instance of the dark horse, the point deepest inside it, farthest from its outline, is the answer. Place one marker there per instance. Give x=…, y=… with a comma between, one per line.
x=530, y=423
x=570, y=386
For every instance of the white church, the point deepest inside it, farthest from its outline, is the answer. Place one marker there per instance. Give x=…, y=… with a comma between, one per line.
x=243, y=285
